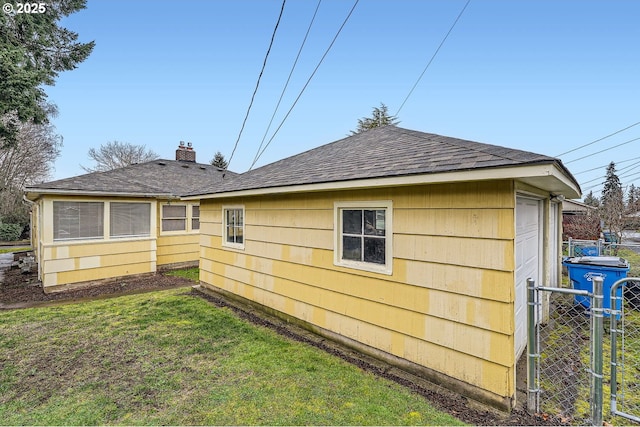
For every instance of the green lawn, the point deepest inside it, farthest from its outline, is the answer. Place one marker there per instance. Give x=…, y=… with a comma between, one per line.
x=7, y=250
x=174, y=359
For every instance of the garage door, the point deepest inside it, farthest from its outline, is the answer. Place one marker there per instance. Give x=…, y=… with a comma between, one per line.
x=528, y=259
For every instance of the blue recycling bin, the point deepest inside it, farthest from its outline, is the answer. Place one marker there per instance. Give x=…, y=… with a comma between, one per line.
x=582, y=270
x=586, y=251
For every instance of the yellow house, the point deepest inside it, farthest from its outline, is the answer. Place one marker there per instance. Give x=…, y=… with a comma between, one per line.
x=122, y=222
x=408, y=246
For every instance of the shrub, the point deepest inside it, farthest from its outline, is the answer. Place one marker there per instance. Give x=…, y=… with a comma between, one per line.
x=582, y=227
x=10, y=232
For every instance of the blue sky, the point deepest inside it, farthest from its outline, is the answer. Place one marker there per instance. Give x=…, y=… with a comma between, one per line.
x=541, y=76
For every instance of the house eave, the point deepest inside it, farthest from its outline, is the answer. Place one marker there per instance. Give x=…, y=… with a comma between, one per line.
x=547, y=176
x=35, y=193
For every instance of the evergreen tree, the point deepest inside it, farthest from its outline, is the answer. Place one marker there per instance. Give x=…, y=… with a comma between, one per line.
x=219, y=161
x=591, y=200
x=612, y=200
x=379, y=117
x=33, y=50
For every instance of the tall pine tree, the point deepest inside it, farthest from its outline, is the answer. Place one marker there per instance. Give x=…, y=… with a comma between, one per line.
x=612, y=199
x=33, y=50
x=219, y=160
x=591, y=200
x=379, y=117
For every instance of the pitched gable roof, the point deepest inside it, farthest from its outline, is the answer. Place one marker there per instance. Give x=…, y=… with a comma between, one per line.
x=157, y=178
x=383, y=152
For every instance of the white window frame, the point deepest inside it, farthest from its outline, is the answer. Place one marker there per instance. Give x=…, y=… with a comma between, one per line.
x=387, y=206
x=188, y=219
x=225, y=243
x=105, y=236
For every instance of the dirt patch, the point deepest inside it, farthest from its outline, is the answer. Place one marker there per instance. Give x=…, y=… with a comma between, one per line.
x=20, y=290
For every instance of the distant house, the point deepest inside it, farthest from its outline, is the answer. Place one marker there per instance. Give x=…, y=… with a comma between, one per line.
x=576, y=207
x=122, y=222
x=408, y=246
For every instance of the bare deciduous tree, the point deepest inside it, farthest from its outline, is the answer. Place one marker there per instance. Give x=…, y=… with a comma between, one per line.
x=115, y=154
x=28, y=161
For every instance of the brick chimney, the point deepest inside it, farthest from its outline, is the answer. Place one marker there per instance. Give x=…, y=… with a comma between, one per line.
x=185, y=153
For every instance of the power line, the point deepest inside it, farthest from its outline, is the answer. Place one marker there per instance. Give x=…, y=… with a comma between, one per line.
x=602, y=151
x=620, y=176
x=433, y=56
x=598, y=140
x=287, y=83
x=604, y=166
x=603, y=178
x=264, y=64
x=305, y=85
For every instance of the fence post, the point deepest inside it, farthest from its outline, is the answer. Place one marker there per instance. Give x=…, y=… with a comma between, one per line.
x=597, y=325
x=569, y=250
x=533, y=391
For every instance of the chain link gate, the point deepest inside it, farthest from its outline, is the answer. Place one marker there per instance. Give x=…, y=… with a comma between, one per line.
x=567, y=351
x=564, y=370
x=625, y=349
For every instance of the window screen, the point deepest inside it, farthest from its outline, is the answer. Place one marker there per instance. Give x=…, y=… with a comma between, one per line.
x=130, y=219
x=78, y=220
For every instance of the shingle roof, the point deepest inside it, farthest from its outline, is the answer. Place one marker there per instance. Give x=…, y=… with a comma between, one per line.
x=381, y=152
x=155, y=178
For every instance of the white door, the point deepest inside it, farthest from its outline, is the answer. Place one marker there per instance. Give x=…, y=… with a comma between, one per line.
x=528, y=261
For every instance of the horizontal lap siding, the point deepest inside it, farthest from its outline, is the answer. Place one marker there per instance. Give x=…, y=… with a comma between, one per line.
x=73, y=263
x=447, y=305
x=178, y=248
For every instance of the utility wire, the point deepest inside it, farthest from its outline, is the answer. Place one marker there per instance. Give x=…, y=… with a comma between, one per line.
x=433, y=57
x=629, y=173
x=602, y=151
x=603, y=178
x=305, y=85
x=287, y=83
x=604, y=166
x=264, y=64
x=598, y=140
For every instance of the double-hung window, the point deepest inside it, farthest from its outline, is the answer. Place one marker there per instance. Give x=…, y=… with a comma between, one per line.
x=174, y=217
x=195, y=217
x=233, y=226
x=363, y=235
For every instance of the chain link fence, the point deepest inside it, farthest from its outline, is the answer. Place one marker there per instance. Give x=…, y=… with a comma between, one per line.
x=567, y=347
